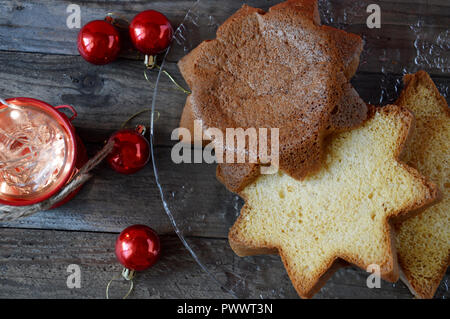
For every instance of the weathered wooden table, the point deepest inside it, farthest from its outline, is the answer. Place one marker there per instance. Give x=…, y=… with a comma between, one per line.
x=39, y=59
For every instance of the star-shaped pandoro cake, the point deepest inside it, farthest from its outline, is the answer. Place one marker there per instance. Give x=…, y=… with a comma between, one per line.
x=340, y=213
x=276, y=69
x=423, y=241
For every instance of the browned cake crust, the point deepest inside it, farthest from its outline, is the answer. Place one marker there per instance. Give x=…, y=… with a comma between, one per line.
x=349, y=114
x=279, y=69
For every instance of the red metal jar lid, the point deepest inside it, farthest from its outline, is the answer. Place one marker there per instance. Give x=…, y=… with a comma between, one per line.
x=37, y=151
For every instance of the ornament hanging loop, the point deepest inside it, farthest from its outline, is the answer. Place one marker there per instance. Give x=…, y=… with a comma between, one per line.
x=141, y=129
x=124, y=124
x=128, y=275
x=150, y=61
x=117, y=19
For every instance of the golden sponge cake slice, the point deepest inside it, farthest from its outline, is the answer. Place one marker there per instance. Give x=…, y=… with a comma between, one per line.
x=342, y=212
x=423, y=241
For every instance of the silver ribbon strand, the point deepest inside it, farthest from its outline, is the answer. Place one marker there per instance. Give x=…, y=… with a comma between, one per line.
x=10, y=213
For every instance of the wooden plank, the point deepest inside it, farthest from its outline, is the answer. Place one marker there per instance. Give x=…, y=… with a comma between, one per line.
x=40, y=26
x=33, y=264
x=103, y=96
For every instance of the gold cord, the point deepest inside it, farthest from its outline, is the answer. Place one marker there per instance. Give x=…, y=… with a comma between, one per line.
x=127, y=275
x=150, y=63
x=132, y=117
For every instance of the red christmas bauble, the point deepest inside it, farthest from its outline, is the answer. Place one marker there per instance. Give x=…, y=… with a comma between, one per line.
x=151, y=32
x=99, y=42
x=138, y=247
x=131, y=152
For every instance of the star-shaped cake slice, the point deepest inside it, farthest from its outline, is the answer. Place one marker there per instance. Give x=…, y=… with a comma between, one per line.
x=423, y=241
x=340, y=213
x=276, y=69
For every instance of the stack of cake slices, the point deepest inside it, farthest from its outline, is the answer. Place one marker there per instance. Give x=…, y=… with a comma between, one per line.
x=355, y=184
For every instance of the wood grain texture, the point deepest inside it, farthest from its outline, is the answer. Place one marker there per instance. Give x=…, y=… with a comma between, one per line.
x=110, y=202
x=39, y=59
x=40, y=25
x=33, y=263
x=47, y=20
